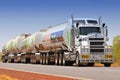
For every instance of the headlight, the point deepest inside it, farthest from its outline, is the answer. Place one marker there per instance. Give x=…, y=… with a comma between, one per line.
x=85, y=50
x=108, y=49
x=108, y=56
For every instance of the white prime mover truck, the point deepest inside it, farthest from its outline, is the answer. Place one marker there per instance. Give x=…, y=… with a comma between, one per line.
x=80, y=41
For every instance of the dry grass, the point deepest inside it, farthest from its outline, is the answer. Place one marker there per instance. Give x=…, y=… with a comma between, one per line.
x=5, y=77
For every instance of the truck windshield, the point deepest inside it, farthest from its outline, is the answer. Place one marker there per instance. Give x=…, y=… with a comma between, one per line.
x=92, y=21
x=88, y=30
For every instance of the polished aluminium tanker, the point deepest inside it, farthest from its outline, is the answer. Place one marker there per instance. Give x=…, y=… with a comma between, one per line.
x=80, y=41
x=10, y=50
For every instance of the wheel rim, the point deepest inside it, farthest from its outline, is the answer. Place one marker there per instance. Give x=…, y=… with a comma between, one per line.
x=56, y=59
x=47, y=58
x=63, y=60
x=77, y=61
x=60, y=59
x=41, y=59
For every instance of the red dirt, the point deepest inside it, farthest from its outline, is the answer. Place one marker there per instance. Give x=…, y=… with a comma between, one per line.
x=20, y=75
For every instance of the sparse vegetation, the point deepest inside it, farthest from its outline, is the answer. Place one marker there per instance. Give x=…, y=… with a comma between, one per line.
x=5, y=77
x=0, y=56
x=116, y=49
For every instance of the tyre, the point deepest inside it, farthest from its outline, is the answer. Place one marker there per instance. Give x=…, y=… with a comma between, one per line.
x=90, y=64
x=31, y=60
x=41, y=59
x=37, y=59
x=27, y=60
x=56, y=59
x=77, y=61
x=60, y=59
x=107, y=64
x=47, y=59
x=34, y=59
x=12, y=60
x=44, y=59
x=63, y=60
x=68, y=63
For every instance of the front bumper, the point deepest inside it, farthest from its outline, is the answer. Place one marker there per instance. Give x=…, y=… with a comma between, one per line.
x=96, y=58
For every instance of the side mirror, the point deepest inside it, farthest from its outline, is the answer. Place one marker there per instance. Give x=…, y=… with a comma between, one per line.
x=103, y=25
x=106, y=31
x=77, y=36
x=103, y=28
x=80, y=40
x=77, y=32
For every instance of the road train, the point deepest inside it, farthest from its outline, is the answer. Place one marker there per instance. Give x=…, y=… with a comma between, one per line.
x=79, y=40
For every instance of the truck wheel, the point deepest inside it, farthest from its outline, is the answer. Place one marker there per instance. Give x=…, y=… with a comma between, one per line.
x=90, y=64
x=37, y=59
x=60, y=59
x=66, y=63
x=4, y=61
x=77, y=61
x=31, y=59
x=44, y=59
x=47, y=59
x=56, y=59
x=34, y=59
x=12, y=60
x=63, y=60
x=107, y=64
x=27, y=60
x=37, y=62
x=70, y=63
x=41, y=59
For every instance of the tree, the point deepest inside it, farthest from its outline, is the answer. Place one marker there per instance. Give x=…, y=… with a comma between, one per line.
x=0, y=56
x=116, y=48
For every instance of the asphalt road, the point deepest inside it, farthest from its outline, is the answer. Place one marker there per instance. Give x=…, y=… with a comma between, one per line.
x=84, y=73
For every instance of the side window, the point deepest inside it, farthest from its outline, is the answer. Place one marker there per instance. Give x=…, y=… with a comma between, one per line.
x=92, y=21
x=82, y=22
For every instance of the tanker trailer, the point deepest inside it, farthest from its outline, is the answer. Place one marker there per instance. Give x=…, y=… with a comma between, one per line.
x=29, y=47
x=43, y=46
x=17, y=42
x=12, y=50
x=55, y=41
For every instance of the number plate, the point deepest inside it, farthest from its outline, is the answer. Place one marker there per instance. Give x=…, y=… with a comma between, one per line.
x=97, y=57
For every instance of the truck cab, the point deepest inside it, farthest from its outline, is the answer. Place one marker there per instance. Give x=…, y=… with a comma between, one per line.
x=91, y=42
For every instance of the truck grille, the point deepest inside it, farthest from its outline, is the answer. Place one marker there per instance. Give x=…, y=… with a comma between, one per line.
x=96, y=45
x=96, y=38
x=96, y=50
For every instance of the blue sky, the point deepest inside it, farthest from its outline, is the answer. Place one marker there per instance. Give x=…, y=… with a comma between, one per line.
x=29, y=16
